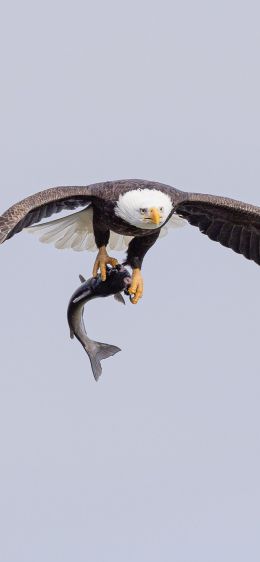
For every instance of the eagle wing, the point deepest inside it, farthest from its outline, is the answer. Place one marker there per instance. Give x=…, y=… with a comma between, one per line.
x=234, y=224
x=44, y=204
x=75, y=232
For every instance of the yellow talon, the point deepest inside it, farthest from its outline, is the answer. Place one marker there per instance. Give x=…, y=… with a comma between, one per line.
x=101, y=261
x=137, y=286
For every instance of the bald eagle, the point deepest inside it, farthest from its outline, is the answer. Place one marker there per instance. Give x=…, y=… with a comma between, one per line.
x=132, y=214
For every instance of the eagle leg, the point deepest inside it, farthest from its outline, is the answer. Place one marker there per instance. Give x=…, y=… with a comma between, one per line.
x=137, y=285
x=137, y=249
x=101, y=261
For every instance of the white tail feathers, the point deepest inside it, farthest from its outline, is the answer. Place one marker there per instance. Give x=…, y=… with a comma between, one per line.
x=76, y=232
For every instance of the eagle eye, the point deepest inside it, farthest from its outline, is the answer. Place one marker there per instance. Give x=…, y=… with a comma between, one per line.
x=143, y=211
x=161, y=209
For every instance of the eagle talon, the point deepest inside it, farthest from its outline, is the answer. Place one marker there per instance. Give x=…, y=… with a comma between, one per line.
x=101, y=262
x=137, y=286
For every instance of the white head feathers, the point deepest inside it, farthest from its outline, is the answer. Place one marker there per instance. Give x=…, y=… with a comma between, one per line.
x=130, y=204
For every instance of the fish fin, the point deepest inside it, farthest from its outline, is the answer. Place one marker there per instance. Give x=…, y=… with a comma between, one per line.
x=119, y=298
x=102, y=351
x=82, y=279
x=71, y=334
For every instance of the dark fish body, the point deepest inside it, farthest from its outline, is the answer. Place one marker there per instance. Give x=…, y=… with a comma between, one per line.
x=118, y=279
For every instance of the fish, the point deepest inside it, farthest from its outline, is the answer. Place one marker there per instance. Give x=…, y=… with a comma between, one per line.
x=118, y=279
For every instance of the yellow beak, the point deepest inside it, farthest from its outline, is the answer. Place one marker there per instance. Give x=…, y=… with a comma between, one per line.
x=155, y=215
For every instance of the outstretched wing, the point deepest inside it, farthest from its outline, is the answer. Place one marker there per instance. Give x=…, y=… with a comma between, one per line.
x=234, y=224
x=43, y=204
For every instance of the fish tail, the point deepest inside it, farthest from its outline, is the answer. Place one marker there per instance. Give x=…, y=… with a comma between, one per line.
x=100, y=351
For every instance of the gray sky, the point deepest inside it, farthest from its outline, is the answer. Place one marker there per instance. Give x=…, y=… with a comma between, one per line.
x=160, y=460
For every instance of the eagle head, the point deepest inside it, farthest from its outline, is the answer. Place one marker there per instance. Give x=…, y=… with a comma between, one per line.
x=144, y=208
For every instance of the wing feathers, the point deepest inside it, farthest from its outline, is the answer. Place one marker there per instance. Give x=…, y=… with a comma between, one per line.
x=75, y=232
x=235, y=238
x=41, y=205
x=233, y=224
x=174, y=222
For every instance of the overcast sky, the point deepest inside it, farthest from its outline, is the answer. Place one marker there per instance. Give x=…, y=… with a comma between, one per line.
x=160, y=459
